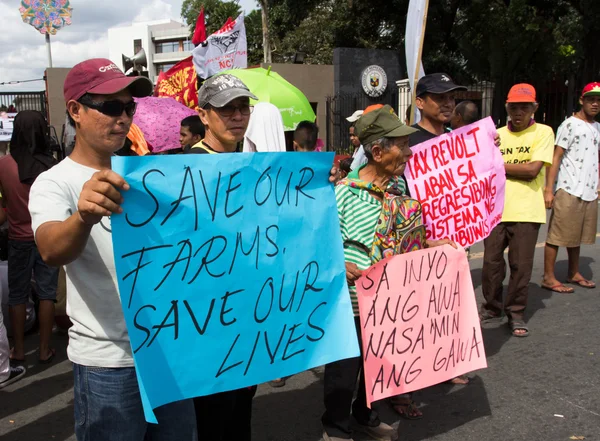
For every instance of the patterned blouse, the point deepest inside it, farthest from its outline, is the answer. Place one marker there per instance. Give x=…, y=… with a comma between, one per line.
x=374, y=229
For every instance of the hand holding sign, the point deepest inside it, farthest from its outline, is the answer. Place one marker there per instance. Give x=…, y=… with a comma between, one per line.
x=419, y=321
x=100, y=196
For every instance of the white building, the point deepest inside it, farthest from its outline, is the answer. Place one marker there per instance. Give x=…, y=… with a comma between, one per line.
x=165, y=41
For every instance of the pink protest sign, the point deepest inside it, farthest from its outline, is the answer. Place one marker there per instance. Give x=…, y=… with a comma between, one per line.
x=419, y=321
x=459, y=179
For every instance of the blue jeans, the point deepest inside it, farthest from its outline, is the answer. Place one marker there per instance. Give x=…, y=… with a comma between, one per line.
x=108, y=407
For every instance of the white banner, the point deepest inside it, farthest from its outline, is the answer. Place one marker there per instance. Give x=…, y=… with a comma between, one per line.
x=6, y=126
x=417, y=10
x=223, y=50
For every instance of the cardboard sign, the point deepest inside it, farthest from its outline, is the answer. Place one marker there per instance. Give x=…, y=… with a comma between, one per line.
x=419, y=321
x=231, y=271
x=459, y=179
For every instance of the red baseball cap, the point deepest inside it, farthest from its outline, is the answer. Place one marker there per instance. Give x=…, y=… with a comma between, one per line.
x=102, y=77
x=591, y=90
x=521, y=93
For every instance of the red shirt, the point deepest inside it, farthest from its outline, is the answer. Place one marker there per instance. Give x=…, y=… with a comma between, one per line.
x=16, y=199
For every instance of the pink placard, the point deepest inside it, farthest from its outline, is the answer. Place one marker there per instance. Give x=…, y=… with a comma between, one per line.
x=419, y=321
x=459, y=179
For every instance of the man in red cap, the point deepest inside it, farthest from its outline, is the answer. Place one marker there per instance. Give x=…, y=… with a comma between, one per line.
x=527, y=149
x=69, y=206
x=574, y=201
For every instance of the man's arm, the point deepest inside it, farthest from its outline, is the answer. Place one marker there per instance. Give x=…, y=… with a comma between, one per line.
x=552, y=175
x=61, y=242
x=525, y=172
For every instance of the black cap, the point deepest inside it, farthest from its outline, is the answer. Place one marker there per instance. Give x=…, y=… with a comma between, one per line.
x=220, y=90
x=437, y=83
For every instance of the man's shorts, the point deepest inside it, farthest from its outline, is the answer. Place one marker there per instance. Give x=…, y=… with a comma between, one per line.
x=573, y=221
x=23, y=261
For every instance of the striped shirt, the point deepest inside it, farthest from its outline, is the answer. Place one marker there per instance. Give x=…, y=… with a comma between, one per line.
x=358, y=212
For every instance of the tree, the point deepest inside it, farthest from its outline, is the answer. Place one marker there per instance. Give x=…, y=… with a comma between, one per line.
x=216, y=13
x=254, y=35
x=264, y=7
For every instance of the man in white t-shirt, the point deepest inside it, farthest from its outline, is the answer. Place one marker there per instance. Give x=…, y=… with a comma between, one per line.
x=70, y=206
x=575, y=203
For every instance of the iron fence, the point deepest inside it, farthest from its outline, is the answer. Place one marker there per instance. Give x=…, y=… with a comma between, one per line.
x=14, y=102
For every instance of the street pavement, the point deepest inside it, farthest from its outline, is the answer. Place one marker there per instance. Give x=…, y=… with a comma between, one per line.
x=544, y=387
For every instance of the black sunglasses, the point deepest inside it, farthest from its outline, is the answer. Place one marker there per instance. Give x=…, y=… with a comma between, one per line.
x=112, y=108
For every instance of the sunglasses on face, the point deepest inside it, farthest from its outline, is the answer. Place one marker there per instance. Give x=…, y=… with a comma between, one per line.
x=112, y=108
x=229, y=110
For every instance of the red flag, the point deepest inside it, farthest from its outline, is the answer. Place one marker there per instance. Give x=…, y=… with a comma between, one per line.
x=179, y=82
x=200, y=31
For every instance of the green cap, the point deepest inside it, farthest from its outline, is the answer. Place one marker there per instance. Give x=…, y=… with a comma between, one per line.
x=380, y=123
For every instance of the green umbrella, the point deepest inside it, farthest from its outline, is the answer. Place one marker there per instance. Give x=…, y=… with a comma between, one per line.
x=272, y=88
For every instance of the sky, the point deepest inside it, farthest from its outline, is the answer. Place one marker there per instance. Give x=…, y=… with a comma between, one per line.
x=23, y=50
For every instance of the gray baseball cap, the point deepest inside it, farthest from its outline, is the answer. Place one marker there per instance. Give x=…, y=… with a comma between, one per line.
x=222, y=89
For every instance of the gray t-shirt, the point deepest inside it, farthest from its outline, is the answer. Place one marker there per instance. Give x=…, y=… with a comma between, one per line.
x=578, y=172
x=98, y=336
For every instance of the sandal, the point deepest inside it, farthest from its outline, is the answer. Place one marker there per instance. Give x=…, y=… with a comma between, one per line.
x=408, y=411
x=49, y=359
x=559, y=288
x=519, y=325
x=584, y=283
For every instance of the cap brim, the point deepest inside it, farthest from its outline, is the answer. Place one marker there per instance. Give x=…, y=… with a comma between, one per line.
x=440, y=90
x=138, y=86
x=521, y=99
x=592, y=93
x=223, y=98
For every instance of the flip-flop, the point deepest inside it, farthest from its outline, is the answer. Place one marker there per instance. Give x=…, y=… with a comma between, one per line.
x=49, y=359
x=584, y=283
x=407, y=410
x=559, y=288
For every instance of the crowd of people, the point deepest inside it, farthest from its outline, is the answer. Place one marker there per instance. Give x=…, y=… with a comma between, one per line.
x=58, y=217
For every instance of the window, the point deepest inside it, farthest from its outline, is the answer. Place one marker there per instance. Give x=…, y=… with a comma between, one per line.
x=164, y=67
x=168, y=47
x=137, y=46
x=188, y=45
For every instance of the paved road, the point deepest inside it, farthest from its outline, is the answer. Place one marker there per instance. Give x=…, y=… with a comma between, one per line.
x=518, y=397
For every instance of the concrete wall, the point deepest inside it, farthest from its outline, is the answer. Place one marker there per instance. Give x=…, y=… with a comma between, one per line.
x=55, y=80
x=315, y=81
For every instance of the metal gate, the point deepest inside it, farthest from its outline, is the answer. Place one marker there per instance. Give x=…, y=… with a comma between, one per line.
x=14, y=102
x=341, y=106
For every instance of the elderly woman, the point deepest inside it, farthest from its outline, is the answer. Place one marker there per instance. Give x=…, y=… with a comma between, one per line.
x=377, y=220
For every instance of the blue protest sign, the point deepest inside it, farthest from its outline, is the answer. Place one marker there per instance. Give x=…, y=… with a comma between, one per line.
x=231, y=271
